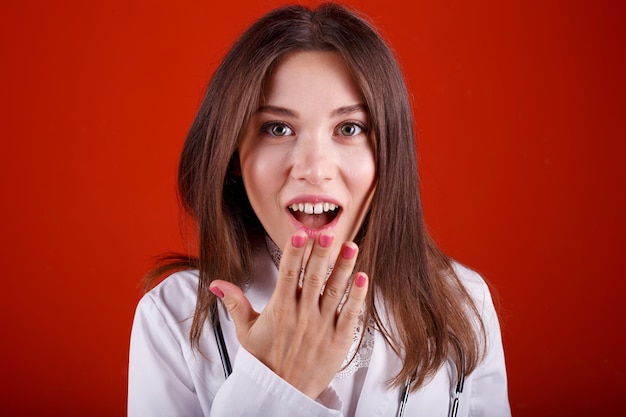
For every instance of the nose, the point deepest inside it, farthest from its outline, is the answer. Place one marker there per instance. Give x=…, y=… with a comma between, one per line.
x=314, y=159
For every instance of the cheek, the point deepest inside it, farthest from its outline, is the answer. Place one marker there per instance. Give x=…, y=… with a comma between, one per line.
x=363, y=176
x=260, y=173
x=262, y=161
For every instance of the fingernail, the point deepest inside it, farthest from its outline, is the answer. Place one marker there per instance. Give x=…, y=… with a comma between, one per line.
x=348, y=252
x=298, y=241
x=360, y=280
x=217, y=292
x=326, y=240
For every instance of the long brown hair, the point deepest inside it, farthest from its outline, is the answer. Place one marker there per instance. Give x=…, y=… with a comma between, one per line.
x=429, y=307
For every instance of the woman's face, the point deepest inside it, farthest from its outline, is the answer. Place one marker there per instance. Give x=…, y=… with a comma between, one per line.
x=306, y=158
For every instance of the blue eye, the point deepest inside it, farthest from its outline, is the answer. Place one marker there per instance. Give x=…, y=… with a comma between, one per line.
x=276, y=129
x=352, y=129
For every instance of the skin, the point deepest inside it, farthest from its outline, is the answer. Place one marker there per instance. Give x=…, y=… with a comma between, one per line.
x=307, y=143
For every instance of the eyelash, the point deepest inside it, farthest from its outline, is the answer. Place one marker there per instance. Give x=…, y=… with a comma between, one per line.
x=364, y=129
x=268, y=127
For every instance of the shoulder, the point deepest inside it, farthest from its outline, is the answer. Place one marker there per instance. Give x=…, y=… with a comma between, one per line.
x=468, y=276
x=474, y=284
x=174, y=298
x=480, y=294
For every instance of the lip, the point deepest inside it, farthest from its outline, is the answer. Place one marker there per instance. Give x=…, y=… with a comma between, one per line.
x=313, y=233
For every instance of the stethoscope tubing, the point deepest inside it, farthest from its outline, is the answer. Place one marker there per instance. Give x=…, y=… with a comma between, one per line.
x=219, y=338
x=227, y=367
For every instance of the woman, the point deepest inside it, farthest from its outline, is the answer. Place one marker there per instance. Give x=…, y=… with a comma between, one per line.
x=304, y=141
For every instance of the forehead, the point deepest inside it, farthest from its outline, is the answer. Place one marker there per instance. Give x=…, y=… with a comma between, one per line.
x=311, y=77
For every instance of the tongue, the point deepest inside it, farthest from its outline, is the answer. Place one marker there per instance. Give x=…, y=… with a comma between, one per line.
x=314, y=221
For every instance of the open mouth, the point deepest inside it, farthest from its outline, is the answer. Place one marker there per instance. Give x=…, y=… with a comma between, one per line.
x=315, y=215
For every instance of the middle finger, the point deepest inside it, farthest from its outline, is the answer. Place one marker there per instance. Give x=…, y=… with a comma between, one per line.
x=337, y=284
x=316, y=270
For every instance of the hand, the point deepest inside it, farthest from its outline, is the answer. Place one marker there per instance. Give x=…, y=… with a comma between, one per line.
x=301, y=335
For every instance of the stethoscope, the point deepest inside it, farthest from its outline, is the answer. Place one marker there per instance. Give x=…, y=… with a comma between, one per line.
x=226, y=365
x=454, y=407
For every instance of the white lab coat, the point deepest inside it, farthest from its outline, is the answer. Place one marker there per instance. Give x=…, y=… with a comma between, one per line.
x=168, y=378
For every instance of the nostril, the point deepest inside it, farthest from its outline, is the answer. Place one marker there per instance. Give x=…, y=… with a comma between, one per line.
x=313, y=163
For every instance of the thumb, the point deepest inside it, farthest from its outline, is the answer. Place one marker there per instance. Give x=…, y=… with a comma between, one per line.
x=236, y=303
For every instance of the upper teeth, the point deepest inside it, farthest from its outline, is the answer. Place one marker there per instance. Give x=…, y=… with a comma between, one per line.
x=316, y=208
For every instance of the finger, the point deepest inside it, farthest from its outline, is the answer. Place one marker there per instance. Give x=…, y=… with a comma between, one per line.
x=237, y=304
x=337, y=284
x=353, y=305
x=290, y=268
x=316, y=270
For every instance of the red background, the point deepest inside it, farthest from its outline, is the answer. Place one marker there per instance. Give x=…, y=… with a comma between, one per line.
x=522, y=144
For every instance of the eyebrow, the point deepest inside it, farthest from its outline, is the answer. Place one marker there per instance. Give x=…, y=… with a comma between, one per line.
x=281, y=111
x=341, y=111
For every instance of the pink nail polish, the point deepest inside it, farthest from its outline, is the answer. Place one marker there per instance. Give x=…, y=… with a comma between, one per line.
x=217, y=292
x=360, y=280
x=298, y=241
x=326, y=240
x=348, y=252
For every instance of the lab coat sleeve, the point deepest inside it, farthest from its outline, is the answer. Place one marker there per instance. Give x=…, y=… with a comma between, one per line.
x=489, y=397
x=253, y=389
x=159, y=381
x=168, y=378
